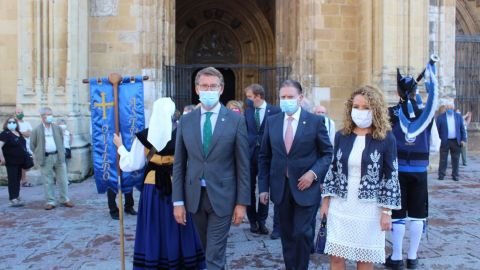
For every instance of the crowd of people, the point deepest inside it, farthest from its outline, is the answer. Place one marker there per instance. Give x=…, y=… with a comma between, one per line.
x=205, y=169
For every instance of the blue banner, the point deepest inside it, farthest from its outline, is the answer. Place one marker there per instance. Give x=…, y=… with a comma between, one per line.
x=104, y=152
x=131, y=120
x=131, y=113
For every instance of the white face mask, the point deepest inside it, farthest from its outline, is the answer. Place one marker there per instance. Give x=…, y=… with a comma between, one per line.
x=362, y=118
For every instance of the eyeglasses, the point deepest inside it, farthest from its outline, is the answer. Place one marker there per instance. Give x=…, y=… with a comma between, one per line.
x=211, y=86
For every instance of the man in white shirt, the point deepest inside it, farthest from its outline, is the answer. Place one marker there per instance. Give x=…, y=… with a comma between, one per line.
x=329, y=123
x=49, y=153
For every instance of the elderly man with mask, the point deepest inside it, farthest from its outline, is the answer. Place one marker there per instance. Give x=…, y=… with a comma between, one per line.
x=48, y=149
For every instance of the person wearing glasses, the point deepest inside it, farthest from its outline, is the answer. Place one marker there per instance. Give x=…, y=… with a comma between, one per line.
x=211, y=168
x=48, y=149
x=13, y=149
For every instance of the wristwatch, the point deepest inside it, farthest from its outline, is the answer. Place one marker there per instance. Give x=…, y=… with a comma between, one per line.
x=387, y=212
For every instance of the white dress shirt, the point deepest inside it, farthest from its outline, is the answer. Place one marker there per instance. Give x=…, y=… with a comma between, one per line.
x=262, y=111
x=49, y=141
x=452, y=134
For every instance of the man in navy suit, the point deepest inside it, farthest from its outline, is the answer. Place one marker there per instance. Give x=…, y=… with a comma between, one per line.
x=256, y=114
x=293, y=161
x=453, y=136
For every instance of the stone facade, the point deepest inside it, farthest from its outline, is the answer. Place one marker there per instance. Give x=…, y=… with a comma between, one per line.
x=332, y=46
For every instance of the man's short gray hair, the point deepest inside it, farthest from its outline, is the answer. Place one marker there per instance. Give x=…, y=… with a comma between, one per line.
x=44, y=110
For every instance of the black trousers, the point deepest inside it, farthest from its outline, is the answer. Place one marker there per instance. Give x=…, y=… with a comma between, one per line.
x=254, y=214
x=112, y=204
x=296, y=231
x=14, y=175
x=455, y=150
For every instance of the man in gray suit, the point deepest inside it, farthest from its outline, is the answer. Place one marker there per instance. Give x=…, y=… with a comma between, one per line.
x=211, y=168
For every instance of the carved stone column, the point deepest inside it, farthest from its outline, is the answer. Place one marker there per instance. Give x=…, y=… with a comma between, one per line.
x=52, y=57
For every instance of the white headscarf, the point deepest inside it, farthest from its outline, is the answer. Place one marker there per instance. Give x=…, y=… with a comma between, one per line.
x=160, y=125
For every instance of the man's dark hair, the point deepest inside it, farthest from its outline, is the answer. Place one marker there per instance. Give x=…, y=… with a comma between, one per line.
x=209, y=71
x=292, y=83
x=256, y=89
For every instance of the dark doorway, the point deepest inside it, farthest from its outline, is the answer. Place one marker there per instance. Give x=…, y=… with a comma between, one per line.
x=228, y=91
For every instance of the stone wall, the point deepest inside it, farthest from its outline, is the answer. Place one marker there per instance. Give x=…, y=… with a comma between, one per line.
x=8, y=54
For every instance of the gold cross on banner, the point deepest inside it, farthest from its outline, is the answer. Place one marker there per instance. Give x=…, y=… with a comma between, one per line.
x=104, y=105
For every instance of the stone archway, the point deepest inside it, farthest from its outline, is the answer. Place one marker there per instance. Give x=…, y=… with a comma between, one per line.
x=465, y=21
x=234, y=32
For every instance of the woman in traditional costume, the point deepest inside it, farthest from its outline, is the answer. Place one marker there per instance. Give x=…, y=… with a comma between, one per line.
x=160, y=242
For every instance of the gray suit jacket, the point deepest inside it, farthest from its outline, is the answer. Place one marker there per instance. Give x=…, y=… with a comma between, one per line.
x=37, y=143
x=225, y=167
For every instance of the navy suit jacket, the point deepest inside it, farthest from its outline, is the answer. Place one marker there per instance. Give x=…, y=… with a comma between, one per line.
x=255, y=136
x=442, y=127
x=311, y=150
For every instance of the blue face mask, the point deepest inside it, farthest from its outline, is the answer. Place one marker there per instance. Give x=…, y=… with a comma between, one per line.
x=450, y=111
x=289, y=106
x=49, y=119
x=249, y=102
x=209, y=98
x=12, y=126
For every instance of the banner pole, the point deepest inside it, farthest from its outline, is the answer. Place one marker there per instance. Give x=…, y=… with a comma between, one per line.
x=115, y=79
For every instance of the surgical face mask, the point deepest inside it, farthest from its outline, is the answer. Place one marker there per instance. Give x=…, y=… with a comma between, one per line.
x=20, y=116
x=289, y=106
x=49, y=119
x=209, y=98
x=362, y=118
x=450, y=111
x=12, y=126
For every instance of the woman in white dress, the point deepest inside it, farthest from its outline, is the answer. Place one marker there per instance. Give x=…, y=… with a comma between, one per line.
x=361, y=187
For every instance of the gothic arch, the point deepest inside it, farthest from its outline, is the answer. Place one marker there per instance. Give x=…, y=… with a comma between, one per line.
x=466, y=22
x=242, y=21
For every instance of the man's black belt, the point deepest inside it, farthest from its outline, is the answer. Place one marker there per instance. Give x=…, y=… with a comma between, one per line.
x=50, y=153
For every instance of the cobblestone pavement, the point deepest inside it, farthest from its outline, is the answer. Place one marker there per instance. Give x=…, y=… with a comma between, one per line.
x=85, y=237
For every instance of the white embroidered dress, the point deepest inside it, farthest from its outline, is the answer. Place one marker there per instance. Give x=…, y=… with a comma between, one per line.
x=353, y=226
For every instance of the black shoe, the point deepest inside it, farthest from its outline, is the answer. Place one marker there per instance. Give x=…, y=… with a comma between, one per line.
x=262, y=229
x=412, y=264
x=115, y=215
x=275, y=235
x=254, y=227
x=455, y=178
x=394, y=264
x=131, y=211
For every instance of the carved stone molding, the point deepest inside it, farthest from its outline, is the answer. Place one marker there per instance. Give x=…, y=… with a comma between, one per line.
x=102, y=8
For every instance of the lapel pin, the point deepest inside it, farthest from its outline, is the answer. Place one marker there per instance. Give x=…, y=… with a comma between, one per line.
x=304, y=122
x=223, y=119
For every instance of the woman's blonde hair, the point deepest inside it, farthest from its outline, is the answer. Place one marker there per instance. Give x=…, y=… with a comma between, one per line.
x=235, y=103
x=378, y=106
